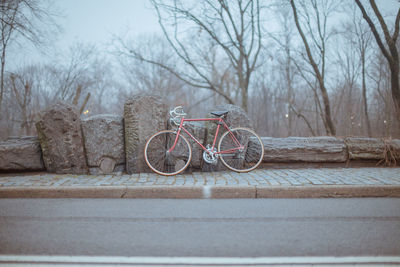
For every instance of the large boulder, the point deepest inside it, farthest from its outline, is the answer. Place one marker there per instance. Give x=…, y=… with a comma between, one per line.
x=144, y=115
x=392, y=152
x=361, y=148
x=236, y=117
x=21, y=154
x=199, y=131
x=60, y=137
x=394, y=147
x=103, y=137
x=303, y=149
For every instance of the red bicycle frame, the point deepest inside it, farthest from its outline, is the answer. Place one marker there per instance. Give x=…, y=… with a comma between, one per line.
x=220, y=122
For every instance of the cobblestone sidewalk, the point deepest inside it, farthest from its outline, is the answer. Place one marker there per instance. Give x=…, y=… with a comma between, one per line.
x=260, y=177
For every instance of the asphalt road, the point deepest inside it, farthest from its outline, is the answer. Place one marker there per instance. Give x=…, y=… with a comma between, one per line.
x=214, y=228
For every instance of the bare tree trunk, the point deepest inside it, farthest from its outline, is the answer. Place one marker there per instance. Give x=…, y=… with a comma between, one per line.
x=22, y=101
x=3, y=58
x=394, y=69
x=77, y=95
x=330, y=127
x=390, y=54
x=84, y=104
x=289, y=89
x=317, y=114
x=245, y=97
x=364, y=93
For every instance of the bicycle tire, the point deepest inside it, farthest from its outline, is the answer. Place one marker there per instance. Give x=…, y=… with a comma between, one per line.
x=163, y=162
x=241, y=161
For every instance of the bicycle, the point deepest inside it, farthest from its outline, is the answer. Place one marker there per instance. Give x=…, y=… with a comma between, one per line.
x=168, y=152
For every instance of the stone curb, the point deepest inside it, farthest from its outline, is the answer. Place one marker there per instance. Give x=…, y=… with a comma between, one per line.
x=63, y=192
x=163, y=192
x=332, y=191
x=201, y=192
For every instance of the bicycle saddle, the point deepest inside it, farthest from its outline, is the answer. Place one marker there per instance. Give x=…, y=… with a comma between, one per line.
x=219, y=113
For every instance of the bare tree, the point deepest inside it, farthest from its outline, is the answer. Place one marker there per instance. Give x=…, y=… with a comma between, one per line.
x=22, y=93
x=383, y=112
x=319, y=40
x=287, y=64
x=31, y=20
x=151, y=77
x=229, y=31
x=361, y=37
x=389, y=50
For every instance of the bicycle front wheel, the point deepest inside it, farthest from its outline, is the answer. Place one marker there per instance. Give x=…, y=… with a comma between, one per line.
x=241, y=160
x=163, y=161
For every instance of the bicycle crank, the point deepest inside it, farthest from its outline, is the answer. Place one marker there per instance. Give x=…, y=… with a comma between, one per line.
x=210, y=155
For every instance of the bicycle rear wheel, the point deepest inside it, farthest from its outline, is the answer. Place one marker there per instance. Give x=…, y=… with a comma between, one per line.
x=158, y=157
x=241, y=160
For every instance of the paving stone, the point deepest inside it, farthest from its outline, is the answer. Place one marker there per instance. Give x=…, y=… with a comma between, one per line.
x=170, y=180
x=251, y=180
x=292, y=177
x=60, y=182
x=220, y=181
x=257, y=178
x=189, y=181
x=229, y=179
x=272, y=182
x=160, y=180
x=179, y=182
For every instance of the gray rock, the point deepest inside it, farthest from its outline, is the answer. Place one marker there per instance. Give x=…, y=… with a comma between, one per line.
x=21, y=154
x=365, y=148
x=304, y=149
x=236, y=117
x=108, y=166
x=144, y=115
x=198, y=130
x=395, y=148
x=392, y=152
x=104, y=141
x=60, y=137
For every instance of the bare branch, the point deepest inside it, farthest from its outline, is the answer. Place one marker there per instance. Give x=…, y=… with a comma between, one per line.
x=396, y=27
x=374, y=31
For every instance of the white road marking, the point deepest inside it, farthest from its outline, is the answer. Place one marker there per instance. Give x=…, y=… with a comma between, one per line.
x=206, y=191
x=13, y=260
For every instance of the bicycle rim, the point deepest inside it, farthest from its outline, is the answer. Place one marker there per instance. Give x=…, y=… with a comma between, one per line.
x=158, y=157
x=246, y=159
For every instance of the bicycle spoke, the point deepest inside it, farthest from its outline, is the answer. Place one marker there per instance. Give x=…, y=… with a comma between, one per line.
x=243, y=150
x=163, y=161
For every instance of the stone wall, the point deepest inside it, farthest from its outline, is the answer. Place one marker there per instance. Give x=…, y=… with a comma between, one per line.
x=60, y=137
x=326, y=149
x=236, y=117
x=21, y=154
x=144, y=115
x=305, y=149
x=105, y=144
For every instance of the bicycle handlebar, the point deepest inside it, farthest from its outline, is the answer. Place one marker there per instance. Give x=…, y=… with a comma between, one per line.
x=176, y=114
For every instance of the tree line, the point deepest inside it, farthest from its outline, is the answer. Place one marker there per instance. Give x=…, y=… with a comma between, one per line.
x=297, y=67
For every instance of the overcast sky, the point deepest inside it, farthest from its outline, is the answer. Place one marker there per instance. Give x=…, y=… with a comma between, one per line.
x=93, y=22
x=96, y=21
